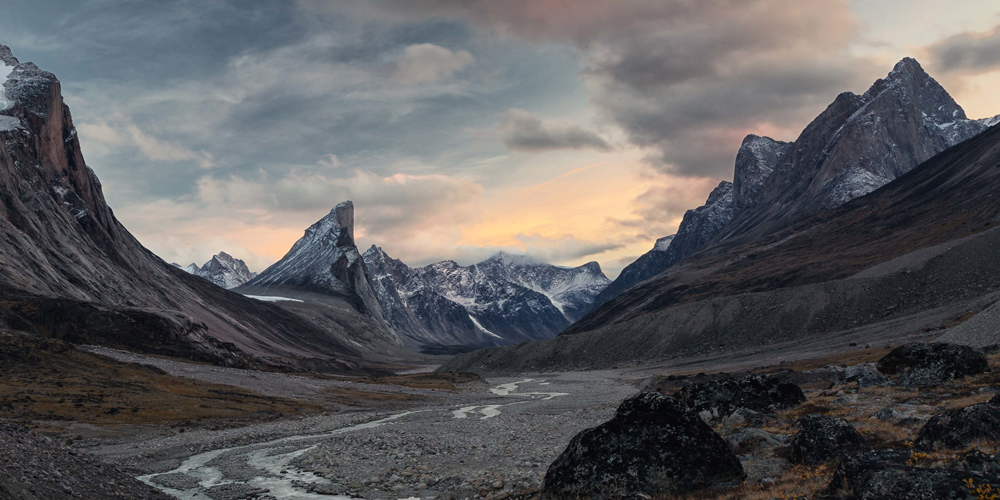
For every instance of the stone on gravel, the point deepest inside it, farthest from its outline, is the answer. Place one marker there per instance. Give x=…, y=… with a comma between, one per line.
x=978, y=461
x=866, y=375
x=749, y=440
x=884, y=475
x=923, y=364
x=27, y=457
x=889, y=414
x=654, y=445
x=960, y=428
x=825, y=439
x=759, y=393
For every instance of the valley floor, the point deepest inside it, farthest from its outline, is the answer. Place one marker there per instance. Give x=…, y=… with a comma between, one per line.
x=206, y=432
x=497, y=436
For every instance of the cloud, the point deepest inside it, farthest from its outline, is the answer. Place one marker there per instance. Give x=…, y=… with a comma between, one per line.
x=427, y=62
x=523, y=131
x=389, y=207
x=118, y=131
x=967, y=52
x=687, y=80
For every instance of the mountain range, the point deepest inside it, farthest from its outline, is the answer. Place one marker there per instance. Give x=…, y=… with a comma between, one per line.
x=440, y=308
x=875, y=222
x=843, y=239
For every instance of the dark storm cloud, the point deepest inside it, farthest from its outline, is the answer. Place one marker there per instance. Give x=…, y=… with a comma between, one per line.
x=967, y=52
x=523, y=131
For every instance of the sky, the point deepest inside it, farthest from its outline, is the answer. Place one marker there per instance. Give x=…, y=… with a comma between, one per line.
x=572, y=131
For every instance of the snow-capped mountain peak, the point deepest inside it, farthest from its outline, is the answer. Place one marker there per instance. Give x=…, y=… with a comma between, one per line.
x=503, y=299
x=222, y=269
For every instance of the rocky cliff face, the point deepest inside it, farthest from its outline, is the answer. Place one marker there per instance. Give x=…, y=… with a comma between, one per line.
x=325, y=262
x=857, y=145
x=66, y=261
x=504, y=299
x=223, y=269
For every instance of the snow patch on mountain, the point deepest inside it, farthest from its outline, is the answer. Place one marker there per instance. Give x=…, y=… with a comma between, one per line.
x=480, y=326
x=5, y=71
x=663, y=243
x=991, y=121
x=508, y=296
x=853, y=183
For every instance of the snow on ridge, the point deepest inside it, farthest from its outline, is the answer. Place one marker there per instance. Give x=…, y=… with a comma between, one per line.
x=481, y=327
x=663, y=243
x=8, y=123
x=5, y=71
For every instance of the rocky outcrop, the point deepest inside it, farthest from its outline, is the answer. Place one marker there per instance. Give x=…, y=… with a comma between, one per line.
x=823, y=439
x=960, y=428
x=760, y=393
x=653, y=446
x=504, y=299
x=222, y=269
x=922, y=364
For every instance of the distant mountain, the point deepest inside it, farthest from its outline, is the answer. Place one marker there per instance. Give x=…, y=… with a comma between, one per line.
x=504, y=299
x=222, y=269
x=324, y=268
x=857, y=145
x=68, y=267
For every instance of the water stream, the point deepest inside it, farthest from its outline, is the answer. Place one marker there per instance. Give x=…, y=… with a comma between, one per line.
x=273, y=458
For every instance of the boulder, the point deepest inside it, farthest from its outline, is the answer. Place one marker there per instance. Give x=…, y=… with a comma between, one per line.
x=884, y=475
x=760, y=393
x=866, y=375
x=922, y=364
x=960, y=428
x=653, y=446
x=823, y=439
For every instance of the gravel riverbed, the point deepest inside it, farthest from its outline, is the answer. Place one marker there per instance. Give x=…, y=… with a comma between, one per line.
x=466, y=444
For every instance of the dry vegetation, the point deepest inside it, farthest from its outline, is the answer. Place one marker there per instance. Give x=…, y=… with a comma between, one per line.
x=47, y=380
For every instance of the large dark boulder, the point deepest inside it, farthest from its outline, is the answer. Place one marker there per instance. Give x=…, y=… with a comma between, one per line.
x=885, y=475
x=654, y=445
x=761, y=393
x=823, y=439
x=922, y=364
x=960, y=428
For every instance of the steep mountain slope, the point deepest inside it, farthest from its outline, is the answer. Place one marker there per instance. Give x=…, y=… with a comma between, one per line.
x=68, y=268
x=324, y=268
x=858, y=144
x=222, y=269
x=504, y=299
x=917, y=255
